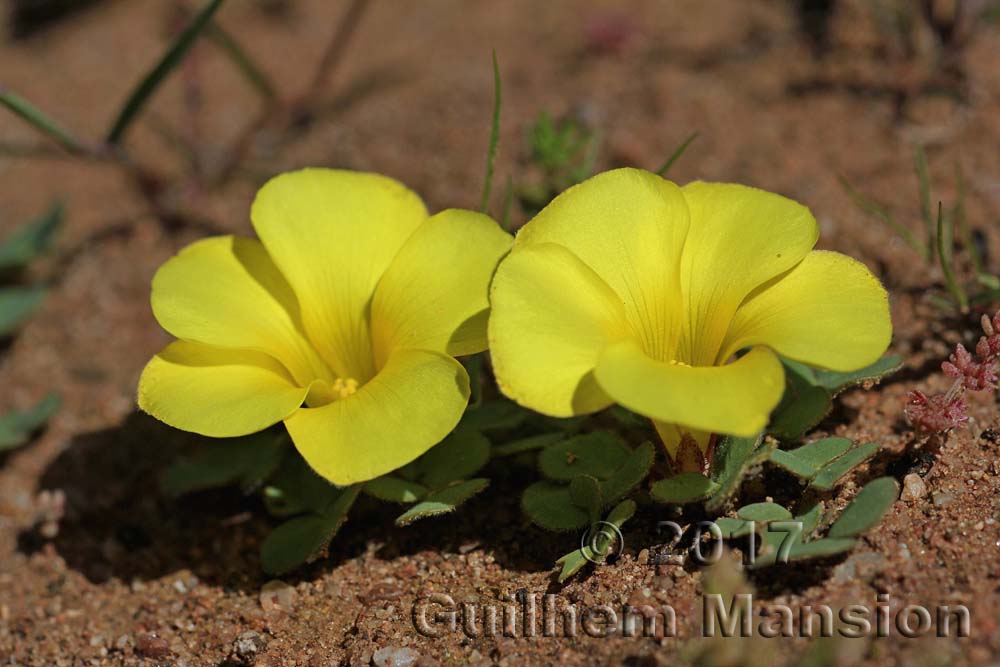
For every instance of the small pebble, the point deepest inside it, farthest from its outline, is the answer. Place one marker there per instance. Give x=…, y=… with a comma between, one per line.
x=942, y=498
x=394, y=656
x=913, y=487
x=277, y=594
x=247, y=646
x=151, y=646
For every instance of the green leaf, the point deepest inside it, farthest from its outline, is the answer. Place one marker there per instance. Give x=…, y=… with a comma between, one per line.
x=296, y=488
x=801, y=551
x=575, y=561
x=820, y=452
x=763, y=512
x=806, y=461
x=497, y=415
x=173, y=56
x=622, y=512
x=36, y=117
x=730, y=527
x=459, y=456
x=31, y=239
x=17, y=427
x=802, y=406
x=867, y=508
x=443, y=501
x=832, y=473
x=528, y=444
x=733, y=458
x=793, y=464
x=835, y=382
x=585, y=492
x=598, y=454
x=810, y=519
x=684, y=488
x=221, y=462
x=395, y=490
x=549, y=505
x=630, y=473
x=16, y=305
x=302, y=539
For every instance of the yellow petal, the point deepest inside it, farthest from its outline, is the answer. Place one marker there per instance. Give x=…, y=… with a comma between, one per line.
x=551, y=317
x=740, y=237
x=671, y=435
x=735, y=399
x=226, y=292
x=628, y=225
x=828, y=311
x=215, y=391
x=435, y=294
x=411, y=405
x=333, y=234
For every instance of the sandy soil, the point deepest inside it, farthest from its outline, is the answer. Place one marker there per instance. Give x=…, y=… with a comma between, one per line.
x=128, y=563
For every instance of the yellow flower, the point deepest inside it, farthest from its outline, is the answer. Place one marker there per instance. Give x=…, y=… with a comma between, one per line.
x=629, y=289
x=342, y=321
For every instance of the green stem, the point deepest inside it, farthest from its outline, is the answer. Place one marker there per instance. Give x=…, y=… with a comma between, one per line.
x=956, y=290
x=924, y=182
x=873, y=208
x=678, y=152
x=35, y=117
x=173, y=56
x=491, y=153
x=244, y=63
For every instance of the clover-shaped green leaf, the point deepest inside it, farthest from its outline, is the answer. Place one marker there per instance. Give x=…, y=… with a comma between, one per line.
x=549, y=505
x=437, y=482
x=394, y=489
x=459, y=456
x=867, y=508
x=304, y=538
x=629, y=474
x=246, y=461
x=807, y=460
x=865, y=511
x=597, y=454
x=527, y=444
x=295, y=488
x=495, y=415
x=763, y=512
x=833, y=472
x=734, y=456
x=800, y=551
x=442, y=501
x=585, y=492
x=684, y=488
x=602, y=535
x=803, y=405
x=809, y=393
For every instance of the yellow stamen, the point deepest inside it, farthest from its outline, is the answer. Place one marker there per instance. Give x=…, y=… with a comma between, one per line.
x=344, y=387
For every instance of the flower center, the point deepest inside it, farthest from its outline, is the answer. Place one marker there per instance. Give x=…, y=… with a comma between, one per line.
x=344, y=387
x=322, y=393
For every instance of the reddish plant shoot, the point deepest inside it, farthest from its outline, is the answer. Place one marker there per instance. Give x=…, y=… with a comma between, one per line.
x=971, y=372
